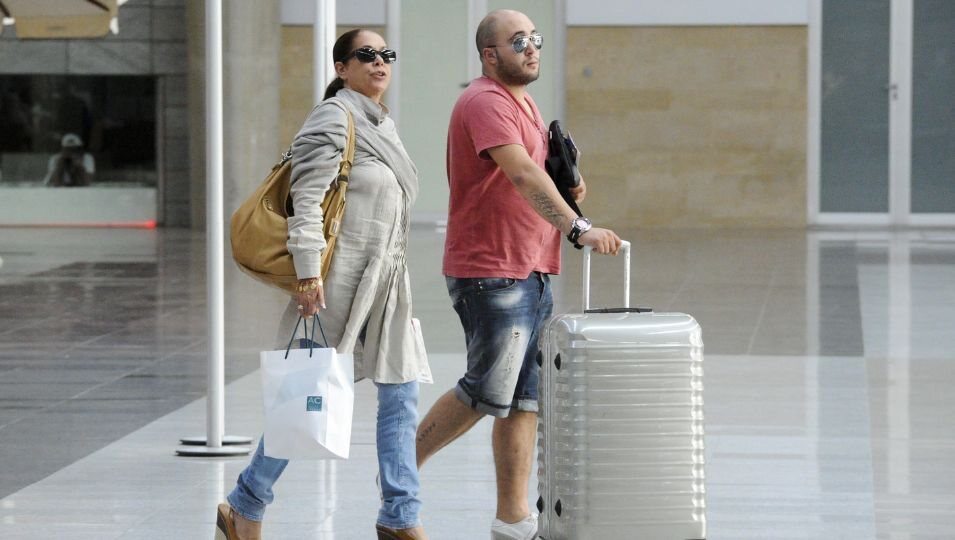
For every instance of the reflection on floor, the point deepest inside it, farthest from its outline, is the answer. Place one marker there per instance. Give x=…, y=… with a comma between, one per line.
x=828, y=373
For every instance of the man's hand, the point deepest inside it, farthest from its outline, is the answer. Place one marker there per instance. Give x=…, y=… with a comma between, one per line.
x=603, y=241
x=579, y=192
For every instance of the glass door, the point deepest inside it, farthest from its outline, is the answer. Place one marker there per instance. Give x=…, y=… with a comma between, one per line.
x=882, y=116
x=933, y=112
x=854, y=146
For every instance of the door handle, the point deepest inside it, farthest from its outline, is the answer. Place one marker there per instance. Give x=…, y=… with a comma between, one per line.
x=892, y=89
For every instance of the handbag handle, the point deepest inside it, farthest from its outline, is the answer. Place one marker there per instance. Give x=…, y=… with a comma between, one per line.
x=311, y=340
x=348, y=156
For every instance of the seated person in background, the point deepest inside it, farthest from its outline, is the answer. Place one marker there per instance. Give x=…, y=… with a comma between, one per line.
x=71, y=166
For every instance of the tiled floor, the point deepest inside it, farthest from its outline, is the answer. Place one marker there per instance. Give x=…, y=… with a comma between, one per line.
x=830, y=358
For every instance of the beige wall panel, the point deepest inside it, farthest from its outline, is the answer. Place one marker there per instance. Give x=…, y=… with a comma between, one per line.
x=690, y=126
x=296, y=90
x=297, y=69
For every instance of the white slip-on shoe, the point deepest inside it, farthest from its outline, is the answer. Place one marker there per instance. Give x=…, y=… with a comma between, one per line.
x=525, y=529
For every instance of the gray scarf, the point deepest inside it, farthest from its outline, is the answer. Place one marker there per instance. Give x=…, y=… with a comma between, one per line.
x=375, y=133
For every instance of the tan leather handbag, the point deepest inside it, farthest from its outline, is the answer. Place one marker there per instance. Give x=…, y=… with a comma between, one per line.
x=259, y=228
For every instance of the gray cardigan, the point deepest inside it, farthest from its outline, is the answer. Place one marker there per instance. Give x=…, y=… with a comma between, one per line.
x=368, y=290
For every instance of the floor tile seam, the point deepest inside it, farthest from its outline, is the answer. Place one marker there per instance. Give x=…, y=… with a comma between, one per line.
x=194, y=409
x=74, y=345
x=136, y=524
x=91, y=389
x=130, y=326
x=85, y=279
x=24, y=325
x=762, y=310
x=870, y=450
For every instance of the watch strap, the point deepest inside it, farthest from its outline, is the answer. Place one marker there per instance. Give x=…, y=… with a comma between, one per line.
x=576, y=231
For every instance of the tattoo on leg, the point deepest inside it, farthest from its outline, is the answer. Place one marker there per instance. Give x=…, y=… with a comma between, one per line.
x=426, y=431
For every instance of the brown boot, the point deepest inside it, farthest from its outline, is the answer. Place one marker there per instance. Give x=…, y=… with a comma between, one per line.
x=387, y=533
x=232, y=526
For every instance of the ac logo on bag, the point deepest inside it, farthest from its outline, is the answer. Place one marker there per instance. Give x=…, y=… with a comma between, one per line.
x=313, y=403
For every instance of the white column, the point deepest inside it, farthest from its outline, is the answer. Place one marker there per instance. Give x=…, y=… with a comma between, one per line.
x=814, y=119
x=325, y=28
x=900, y=111
x=560, y=50
x=477, y=10
x=215, y=443
x=393, y=38
x=215, y=411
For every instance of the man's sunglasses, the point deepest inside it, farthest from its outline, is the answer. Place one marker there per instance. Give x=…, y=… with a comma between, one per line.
x=520, y=43
x=366, y=55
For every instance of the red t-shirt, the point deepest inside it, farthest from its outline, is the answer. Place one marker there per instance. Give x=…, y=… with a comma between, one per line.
x=492, y=230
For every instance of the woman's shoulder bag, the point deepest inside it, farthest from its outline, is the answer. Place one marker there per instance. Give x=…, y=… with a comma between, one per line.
x=259, y=228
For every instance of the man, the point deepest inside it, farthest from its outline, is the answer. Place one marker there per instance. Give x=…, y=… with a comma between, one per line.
x=71, y=167
x=506, y=221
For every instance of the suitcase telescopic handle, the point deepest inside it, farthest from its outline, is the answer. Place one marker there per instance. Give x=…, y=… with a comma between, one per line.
x=625, y=246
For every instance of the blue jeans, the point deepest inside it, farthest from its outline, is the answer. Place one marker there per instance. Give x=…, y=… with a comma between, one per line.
x=397, y=423
x=502, y=319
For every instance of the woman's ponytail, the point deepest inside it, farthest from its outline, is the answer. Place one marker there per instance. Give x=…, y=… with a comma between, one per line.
x=342, y=47
x=333, y=88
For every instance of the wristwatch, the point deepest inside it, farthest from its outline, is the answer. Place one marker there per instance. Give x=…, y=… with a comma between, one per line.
x=578, y=227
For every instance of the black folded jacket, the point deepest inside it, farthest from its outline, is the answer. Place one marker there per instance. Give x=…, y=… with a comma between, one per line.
x=561, y=163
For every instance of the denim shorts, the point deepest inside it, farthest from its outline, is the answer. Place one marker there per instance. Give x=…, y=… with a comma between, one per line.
x=502, y=319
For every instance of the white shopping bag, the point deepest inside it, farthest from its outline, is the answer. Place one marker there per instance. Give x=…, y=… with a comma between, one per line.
x=309, y=398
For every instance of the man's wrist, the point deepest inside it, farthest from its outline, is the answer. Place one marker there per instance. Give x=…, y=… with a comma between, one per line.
x=578, y=227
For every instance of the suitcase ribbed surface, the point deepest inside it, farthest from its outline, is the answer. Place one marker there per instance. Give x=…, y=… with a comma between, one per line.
x=621, y=428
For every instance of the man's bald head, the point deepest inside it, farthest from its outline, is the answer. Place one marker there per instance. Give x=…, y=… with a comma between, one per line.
x=486, y=35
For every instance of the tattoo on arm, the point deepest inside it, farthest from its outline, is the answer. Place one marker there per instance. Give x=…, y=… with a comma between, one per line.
x=547, y=209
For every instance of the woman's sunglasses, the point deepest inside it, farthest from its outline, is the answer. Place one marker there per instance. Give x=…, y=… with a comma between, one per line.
x=520, y=44
x=366, y=55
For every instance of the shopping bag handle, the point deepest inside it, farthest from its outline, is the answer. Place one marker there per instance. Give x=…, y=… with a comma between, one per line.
x=311, y=340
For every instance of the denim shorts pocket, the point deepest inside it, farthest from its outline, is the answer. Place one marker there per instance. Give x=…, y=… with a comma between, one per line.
x=459, y=288
x=493, y=285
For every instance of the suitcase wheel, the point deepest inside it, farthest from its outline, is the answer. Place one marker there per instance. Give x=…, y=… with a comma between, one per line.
x=557, y=508
x=557, y=362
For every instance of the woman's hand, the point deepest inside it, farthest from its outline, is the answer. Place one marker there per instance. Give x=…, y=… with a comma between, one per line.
x=310, y=296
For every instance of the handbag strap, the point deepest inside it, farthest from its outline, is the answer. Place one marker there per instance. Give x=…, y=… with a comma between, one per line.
x=348, y=156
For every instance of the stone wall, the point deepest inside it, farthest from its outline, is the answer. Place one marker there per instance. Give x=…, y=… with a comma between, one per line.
x=690, y=126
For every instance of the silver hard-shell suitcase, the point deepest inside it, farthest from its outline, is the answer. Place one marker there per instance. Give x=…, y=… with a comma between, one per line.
x=620, y=451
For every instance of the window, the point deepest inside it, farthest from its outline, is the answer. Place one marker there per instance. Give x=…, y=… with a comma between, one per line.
x=107, y=124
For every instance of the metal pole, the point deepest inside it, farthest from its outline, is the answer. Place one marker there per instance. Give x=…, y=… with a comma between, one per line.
x=215, y=411
x=325, y=30
x=215, y=280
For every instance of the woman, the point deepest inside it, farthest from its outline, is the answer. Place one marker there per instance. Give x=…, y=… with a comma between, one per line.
x=367, y=292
